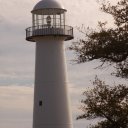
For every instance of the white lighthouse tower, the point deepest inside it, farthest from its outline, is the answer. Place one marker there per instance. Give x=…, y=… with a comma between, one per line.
x=51, y=101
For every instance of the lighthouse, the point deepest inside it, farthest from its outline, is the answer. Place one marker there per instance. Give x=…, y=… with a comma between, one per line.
x=49, y=31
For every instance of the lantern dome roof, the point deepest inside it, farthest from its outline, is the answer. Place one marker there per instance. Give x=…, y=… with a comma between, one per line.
x=47, y=4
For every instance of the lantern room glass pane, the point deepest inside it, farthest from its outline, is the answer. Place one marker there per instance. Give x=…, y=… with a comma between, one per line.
x=56, y=20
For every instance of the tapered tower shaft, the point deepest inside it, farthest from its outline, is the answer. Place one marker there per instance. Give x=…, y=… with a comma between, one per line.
x=51, y=101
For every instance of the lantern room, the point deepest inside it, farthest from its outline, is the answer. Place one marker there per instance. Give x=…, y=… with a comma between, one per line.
x=48, y=13
x=48, y=19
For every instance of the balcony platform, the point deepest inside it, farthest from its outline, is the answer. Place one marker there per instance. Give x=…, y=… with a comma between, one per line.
x=45, y=30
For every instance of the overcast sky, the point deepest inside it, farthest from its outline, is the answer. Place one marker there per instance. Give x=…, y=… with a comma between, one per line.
x=17, y=60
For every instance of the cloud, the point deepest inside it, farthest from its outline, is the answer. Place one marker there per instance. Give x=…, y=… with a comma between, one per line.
x=16, y=105
x=19, y=97
x=17, y=57
x=1, y=19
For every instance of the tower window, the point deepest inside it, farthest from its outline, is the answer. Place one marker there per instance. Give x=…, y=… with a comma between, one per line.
x=40, y=103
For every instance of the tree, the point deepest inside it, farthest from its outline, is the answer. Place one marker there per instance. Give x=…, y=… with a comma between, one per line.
x=108, y=45
x=108, y=103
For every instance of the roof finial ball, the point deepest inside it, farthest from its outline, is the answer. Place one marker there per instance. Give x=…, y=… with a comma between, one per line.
x=48, y=18
x=51, y=100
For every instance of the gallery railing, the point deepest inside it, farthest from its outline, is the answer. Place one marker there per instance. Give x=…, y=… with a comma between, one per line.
x=45, y=30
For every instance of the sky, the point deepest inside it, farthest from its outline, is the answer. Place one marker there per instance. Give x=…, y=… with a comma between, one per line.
x=17, y=60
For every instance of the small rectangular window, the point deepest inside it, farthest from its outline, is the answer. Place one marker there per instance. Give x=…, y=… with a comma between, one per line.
x=40, y=103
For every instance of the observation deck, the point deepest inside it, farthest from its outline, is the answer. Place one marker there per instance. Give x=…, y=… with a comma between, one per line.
x=45, y=30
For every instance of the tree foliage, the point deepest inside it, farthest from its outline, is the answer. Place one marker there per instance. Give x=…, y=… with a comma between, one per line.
x=108, y=103
x=108, y=45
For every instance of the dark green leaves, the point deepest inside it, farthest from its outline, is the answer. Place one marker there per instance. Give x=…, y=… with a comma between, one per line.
x=107, y=103
x=107, y=45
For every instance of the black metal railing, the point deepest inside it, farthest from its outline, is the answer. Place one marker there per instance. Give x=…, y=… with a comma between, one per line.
x=45, y=30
